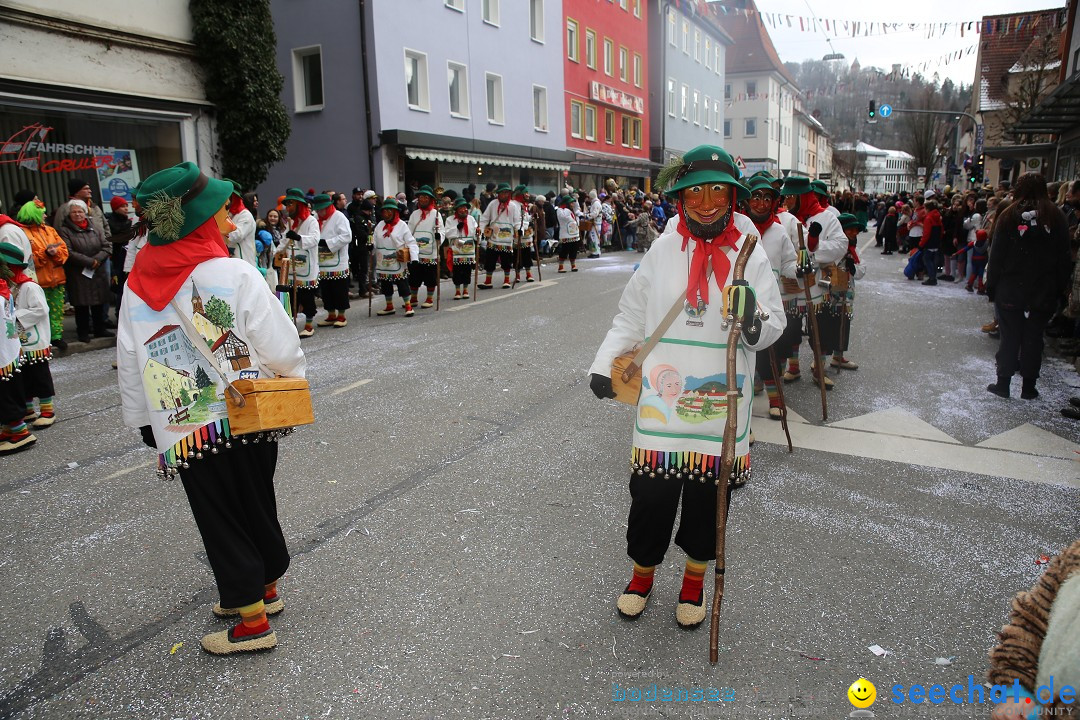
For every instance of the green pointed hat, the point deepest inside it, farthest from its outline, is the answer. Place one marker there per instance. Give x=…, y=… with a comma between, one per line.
x=179, y=199
x=321, y=201
x=796, y=185
x=297, y=195
x=848, y=220
x=390, y=203
x=520, y=190
x=461, y=202
x=12, y=255
x=704, y=164
x=503, y=187
x=426, y=190
x=762, y=182
x=237, y=190
x=566, y=200
x=819, y=187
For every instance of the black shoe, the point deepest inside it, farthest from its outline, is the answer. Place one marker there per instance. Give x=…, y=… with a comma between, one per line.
x=1001, y=390
x=1075, y=402
x=946, y=278
x=1071, y=412
x=60, y=344
x=104, y=334
x=929, y=282
x=1029, y=392
x=111, y=324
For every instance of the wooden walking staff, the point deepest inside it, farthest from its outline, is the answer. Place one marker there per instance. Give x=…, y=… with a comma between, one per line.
x=779, y=382
x=727, y=455
x=815, y=336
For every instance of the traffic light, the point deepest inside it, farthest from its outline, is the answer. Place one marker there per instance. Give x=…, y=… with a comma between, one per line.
x=871, y=113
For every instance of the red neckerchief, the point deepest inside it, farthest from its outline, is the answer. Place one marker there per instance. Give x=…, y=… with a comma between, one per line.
x=236, y=204
x=161, y=270
x=854, y=255
x=18, y=277
x=4, y=220
x=303, y=212
x=388, y=227
x=502, y=207
x=766, y=223
x=808, y=207
x=698, y=283
x=323, y=218
x=424, y=213
x=81, y=225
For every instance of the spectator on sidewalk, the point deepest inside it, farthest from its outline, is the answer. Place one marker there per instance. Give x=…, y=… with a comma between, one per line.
x=50, y=253
x=86, y=268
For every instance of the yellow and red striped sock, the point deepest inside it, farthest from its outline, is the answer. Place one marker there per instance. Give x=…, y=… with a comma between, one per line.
x=793, y=365
x=773, y=393
x=271, y=592
x=641, y=583
x=46, y=407
x=693, y=580
x=252, y=620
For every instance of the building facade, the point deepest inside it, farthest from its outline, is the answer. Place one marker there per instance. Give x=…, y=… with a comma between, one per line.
x=90, y=93
x=877, y=170
x=606, y=90
x=688, y=51
x=467, y=92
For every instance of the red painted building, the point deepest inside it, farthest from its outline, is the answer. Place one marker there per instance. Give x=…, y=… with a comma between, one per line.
x=605, y=44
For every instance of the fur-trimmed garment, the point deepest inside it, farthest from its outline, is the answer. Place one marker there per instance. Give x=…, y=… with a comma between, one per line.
x=1041, y=640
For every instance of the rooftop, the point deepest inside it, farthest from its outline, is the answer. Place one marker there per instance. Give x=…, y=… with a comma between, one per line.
x=753, y=49
x=1002, y=44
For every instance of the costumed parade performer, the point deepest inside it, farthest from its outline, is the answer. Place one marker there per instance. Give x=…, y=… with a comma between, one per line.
x=461, y=236
x=395, y=248
x=184, y=290
x=301, y=249
x=241, y=241
x=680, y=413
x=32, y=322
x=15, y=433
x=569, y=233
x=527, y=234
x=335, y=234
x=426, y=226
x=841, y=294
x=500, y=228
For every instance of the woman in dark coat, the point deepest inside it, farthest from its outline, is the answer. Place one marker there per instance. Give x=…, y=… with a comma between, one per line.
x=888, y=231
x=87, y=251
x=1026, y=278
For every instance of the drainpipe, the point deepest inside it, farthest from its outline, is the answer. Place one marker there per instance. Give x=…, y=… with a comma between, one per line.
x=367, y=93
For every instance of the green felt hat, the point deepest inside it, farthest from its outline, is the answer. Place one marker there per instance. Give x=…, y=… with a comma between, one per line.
x=521, y=190
x=796, y=185
x=566, y=200
x=762, y=182
x=179, y=199
x=297, y=195
x=12, y=255
x=237, y=190
x=426, y=190
x=390, y=203
x=503, y=187
x=819, y=187
x=461, y=202
x=704, y=164
x=765, y=174
x=321, y=201
x=848, y=220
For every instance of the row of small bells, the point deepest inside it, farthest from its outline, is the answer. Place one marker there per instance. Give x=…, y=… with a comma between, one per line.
x=169, y=472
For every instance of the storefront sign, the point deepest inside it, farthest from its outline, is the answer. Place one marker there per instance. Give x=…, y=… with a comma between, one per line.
x=117, y=174
x=26, y=146
x=618, y=98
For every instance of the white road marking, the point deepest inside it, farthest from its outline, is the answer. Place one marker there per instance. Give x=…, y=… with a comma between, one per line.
x=895, y=422
x=1030, y=439
x=127, y=471
x=466, y=304
x=351, y=386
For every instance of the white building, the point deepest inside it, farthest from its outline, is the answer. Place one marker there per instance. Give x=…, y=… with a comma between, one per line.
x=108, y=92
x=879, y=171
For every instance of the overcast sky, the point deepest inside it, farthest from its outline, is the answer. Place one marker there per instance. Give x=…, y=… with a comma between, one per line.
x=882, y=51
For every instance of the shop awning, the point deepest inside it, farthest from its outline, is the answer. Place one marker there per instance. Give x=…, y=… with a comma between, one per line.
x=604, y=163
x=1019, y=152
x=1058, y=112
x=475, y=159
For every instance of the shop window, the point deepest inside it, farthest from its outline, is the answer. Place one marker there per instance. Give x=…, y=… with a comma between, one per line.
x=540, y=108
x=457, y=78
x=416, y=80
x=494, y=98
x=307, y=78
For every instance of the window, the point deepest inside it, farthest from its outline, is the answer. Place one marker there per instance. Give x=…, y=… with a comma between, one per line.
x=727, y=91
x=708, y=54
x=490, y=10
x=727, y=128
x=751, y=89
x=697, y=45
x=697, y=108
x=622, y=4
x=716, y=115
x=458, y=5
x=671, y=97
x=416, y=80
x=751, y=127
x=494, y=98
x=590, y=122
x=624, y=61
x=686, y=37
x=572, y=40
x=671, y=28
x=718, y=66
x=536, y=20
x=635, y=137
x=636, y=4
x=307, y=79
x=457, y=78
x=609, y=57
x=626, y=122
x=540, y=108
x=684, y=105
x=576, y=111
x=631, y=132
x=637, y=70
x=708, y=111
x=609, y=127
x=590, y=49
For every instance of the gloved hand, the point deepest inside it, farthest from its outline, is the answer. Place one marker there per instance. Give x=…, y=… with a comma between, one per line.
x=740, y=301
x=804, y=263
x=292, y=234
x=148, y=436
x=849, y=265
x=601, y=386
x=815, y=230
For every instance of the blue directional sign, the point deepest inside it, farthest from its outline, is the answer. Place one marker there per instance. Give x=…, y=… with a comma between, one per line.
x=885, y=111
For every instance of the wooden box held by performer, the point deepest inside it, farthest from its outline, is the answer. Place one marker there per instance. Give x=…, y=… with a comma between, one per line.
x=680, y=416
x=170, y=390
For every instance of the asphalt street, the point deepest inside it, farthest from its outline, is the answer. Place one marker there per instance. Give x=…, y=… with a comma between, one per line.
x=457, y=518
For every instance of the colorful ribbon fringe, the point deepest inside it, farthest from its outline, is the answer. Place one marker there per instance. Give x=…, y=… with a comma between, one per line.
x=208, y=438
x=29, y=357
x=10, y=369
x=688, y=465
x=335, y=275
